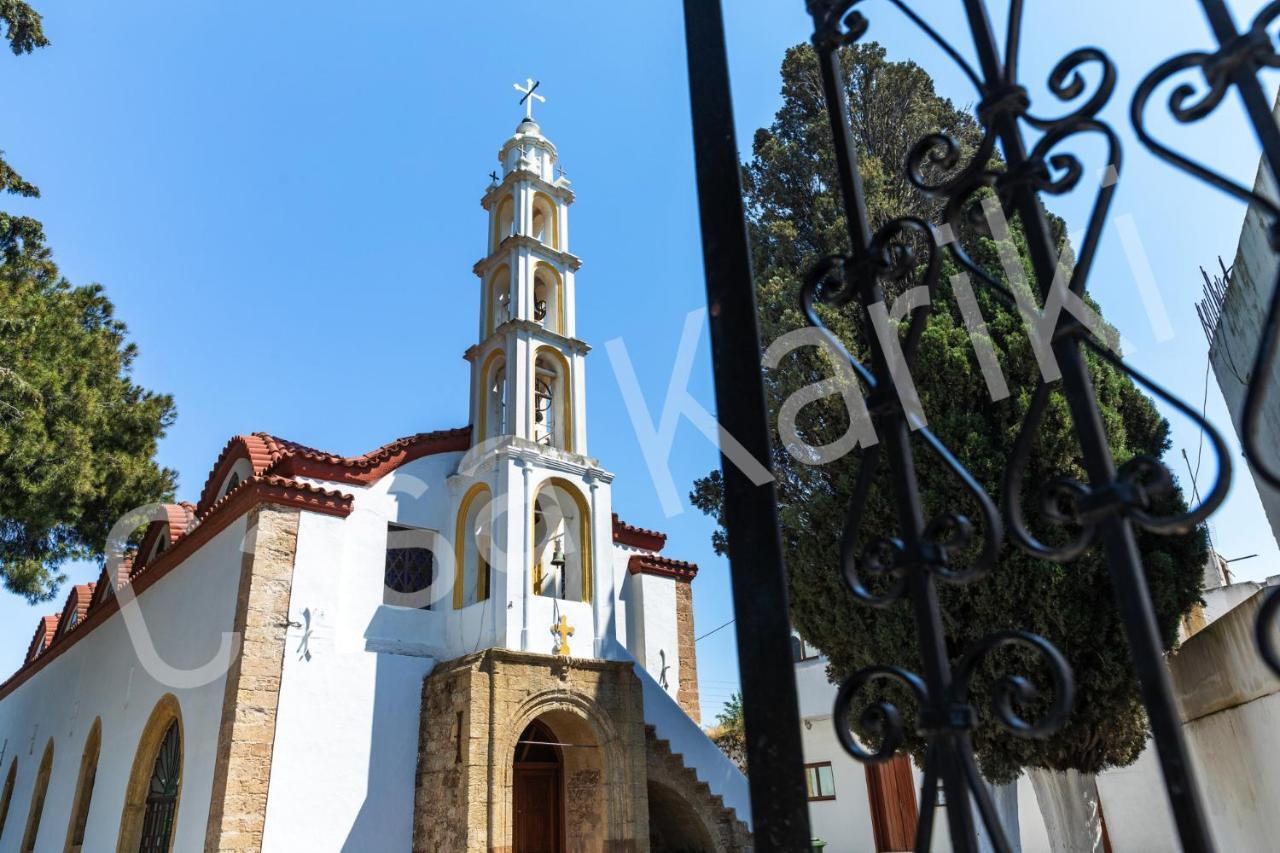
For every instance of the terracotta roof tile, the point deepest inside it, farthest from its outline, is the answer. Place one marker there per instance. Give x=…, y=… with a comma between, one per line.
x=637, y=537
x=653, y=564
x=45, y=629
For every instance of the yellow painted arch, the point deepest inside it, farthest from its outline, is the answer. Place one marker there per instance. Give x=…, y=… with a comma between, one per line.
x=560, y=297
x=566, y=383
x=460, y=550
x=166, y=712
x=584, y=531
x=507, y=202
x=553, y=210
x=490, y=296
x=486, y=370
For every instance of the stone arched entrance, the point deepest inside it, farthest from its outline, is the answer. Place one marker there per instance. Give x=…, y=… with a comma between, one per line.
x=506, y=732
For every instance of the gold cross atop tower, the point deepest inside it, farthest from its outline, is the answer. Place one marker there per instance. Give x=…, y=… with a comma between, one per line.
x=564, y=632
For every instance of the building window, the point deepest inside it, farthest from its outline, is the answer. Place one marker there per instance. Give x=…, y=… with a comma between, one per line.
x=473, y=575
x=801, y=650
x=548, y=300
x=552, y=408
x=410, y=567
x=7, y=797
x=561, y=542
x=819, y=781
x=37, y=800
x=84, y=788
x=155, y=783
x=162, y=795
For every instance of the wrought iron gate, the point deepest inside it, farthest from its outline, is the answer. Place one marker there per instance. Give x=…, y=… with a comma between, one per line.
x=1107, y=511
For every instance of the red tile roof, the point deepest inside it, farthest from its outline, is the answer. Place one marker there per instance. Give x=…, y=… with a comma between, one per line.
x=45, y=629
x=268, y=454
x=637, y=537
x=275, y=462
x=653, y=564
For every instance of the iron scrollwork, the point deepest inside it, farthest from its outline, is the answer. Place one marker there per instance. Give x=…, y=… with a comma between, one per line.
x=1112, y=502
x=1234, y=66
x=924, y=551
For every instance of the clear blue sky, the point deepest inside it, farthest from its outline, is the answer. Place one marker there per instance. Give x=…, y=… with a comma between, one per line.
x=282, y=201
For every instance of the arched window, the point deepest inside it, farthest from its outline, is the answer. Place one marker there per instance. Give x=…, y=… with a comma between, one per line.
x=552, y=407
x=561, y=542
x=155, y=783
x=7, y=796
x=546, y=226
x=473, y=575
x=84, y=788
x=37, y=800
x=241, y=471
x=548, y=299
x=162, y=794
x=493, y=397
x=503, y=222
x=499, y=307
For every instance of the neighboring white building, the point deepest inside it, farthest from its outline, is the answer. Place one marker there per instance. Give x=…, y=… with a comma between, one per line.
x=254, y=676
x=857, y=808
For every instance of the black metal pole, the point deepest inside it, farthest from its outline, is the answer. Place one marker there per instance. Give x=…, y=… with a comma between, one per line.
x=779, y=804
x=1119, y=543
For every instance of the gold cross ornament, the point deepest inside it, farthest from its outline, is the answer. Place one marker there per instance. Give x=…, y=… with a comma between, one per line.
x=564, y=632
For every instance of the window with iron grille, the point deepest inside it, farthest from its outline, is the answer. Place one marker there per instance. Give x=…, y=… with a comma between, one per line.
x=162, y=795
x=409, y=568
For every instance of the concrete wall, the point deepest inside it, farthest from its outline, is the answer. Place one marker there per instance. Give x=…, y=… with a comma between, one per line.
x=187, y=611
x=1239, y=330
x=1230, y=706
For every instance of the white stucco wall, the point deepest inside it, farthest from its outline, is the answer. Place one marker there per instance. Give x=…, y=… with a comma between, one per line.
x=342, y=774
x=653, y=614
x=695, y=749
x=187, y=612
x=845, y=822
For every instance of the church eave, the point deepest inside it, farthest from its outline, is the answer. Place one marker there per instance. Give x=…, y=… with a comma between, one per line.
x=499, y=255
x=556, y=190
x=257, y=490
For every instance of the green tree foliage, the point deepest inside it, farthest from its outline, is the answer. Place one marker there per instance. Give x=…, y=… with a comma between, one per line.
x=24, y=33
x=795, y=219
x=77, y=436
x=730, y=733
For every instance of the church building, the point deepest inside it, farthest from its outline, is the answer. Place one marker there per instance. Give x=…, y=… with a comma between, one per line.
x=449, y=643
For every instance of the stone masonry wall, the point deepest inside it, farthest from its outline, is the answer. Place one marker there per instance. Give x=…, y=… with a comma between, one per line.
x=238, y=809
x=687, y=690
x=464, y=790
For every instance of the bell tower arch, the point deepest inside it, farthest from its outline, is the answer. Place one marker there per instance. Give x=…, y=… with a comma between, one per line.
x=527, y=303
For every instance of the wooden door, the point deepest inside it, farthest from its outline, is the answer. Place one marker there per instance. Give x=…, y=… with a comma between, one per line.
x=537, y=809
x=892, y=795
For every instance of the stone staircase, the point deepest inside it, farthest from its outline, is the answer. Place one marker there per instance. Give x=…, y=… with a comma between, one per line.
x=692, y=812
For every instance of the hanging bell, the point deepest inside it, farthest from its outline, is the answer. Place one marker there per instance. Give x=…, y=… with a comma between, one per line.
x=557, y=557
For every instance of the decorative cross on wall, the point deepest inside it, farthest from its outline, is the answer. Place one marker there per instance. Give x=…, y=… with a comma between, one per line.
x=493, y=176
x=564, y=632
x=529, y=95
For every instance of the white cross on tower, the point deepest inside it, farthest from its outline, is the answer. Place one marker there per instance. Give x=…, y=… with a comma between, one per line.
x=529, y=95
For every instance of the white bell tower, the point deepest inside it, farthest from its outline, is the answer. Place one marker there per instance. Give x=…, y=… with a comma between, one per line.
x=542, y=507
x=527, y=369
